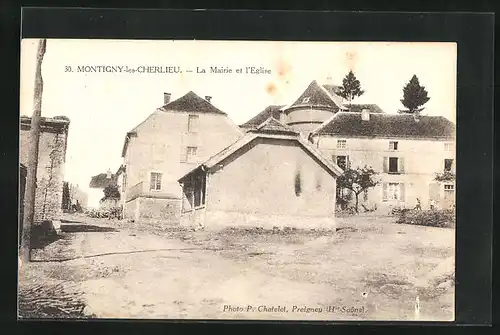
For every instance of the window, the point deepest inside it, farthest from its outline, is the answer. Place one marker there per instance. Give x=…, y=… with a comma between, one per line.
x=448, y=163
x=393, y=192
x=191, y=153
x=193, y=121
x=393, y=145
x=449, y=187
x=448, y=147
x=342, y=162
x=341, y=144
x=306, y=100
x=155, y=181
x=393, y=164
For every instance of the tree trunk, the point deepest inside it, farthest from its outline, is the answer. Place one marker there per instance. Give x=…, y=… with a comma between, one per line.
x=357, y=202
x=34, y=138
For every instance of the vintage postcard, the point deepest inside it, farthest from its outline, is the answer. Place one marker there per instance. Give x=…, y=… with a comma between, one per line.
x=250, y=180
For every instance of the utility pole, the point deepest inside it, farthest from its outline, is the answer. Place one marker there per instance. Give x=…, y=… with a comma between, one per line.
x=34, y=138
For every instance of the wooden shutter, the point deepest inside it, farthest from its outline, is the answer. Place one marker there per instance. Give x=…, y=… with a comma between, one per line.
x=384, y=192
x=183, y=154
x=402, y=192
x=347, y=162
x=334, y=159
x=152, y=181
x=386, y=164
x=401, y=167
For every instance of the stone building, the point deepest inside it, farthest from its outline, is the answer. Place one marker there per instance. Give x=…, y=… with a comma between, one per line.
x=272, y=177
x=51, y=160
x=406, y=152
x=95, y=193
x=171, y=141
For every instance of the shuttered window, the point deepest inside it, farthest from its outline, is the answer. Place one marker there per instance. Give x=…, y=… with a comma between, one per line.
x=393, y=191
x=393, y=165
x=193, y=121
x=155, y=181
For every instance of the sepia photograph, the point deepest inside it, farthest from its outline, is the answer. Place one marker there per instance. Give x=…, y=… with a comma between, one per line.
x=237, y=180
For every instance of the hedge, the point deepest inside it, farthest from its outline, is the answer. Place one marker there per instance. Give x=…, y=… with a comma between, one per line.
x=432, y=218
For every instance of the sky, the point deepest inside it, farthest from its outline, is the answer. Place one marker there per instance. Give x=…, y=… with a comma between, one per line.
x=104, y=106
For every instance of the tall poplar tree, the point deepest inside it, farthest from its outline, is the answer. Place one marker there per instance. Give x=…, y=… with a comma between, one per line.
x=351, y=88
x=414, y=96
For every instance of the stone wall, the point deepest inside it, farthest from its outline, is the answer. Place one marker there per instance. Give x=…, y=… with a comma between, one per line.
x=156, y=209
x=51, y=159
x=218, y=220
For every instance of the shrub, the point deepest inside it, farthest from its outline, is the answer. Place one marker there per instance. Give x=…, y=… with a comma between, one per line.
x=432, y=218
x=110, y=213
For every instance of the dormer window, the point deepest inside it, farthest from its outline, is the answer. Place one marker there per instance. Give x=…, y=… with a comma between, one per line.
x=306, y=100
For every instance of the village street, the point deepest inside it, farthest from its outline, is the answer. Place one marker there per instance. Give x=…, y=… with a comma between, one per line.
x=133, y=273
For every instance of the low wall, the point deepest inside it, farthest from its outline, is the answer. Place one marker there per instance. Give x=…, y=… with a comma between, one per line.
x=152, y=209
x=217, y=220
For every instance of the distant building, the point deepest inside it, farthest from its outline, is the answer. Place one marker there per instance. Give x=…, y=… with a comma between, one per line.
x=96, y=188
x=51, y=161
x=271, y=177
x=171, y=141
x=77, y=195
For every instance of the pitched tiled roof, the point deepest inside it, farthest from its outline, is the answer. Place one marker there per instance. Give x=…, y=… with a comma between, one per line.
x=250, y=136
x=270, y=111
x=191, y=102
x=387, y=125
x=332, y=89
x=357, y=108
x=273, y=126
x=101, y=180
x=317, y=95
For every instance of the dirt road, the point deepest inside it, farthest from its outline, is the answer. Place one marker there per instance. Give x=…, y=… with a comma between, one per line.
x=244, y=275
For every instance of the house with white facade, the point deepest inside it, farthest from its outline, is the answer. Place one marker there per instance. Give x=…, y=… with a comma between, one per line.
x=407, y=152
x=174, y=139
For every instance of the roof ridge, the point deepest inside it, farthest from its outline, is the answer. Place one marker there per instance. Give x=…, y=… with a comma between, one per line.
x=331, y=97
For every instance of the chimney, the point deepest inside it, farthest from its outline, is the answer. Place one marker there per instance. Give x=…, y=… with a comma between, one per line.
x=166, y=98
x=365, y=115
x=108, y=174
x=208, y=98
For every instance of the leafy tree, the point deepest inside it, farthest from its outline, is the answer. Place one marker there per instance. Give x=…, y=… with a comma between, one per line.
x=414, y=96
x=357, y=180
x=66, y=199
x=111, y=192
x=351, y=88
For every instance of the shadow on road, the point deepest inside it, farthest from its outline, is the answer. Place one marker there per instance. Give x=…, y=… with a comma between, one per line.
x=80, y=228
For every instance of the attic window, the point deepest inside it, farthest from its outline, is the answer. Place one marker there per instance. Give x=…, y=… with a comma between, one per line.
x=393, y=145
x=193, y=123
x=306, y=100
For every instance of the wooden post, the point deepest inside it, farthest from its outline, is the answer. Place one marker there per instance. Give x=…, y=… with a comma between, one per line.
x=29, y=196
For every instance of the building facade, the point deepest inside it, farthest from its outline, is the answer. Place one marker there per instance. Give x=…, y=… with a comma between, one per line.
x=96, y=189
x=51, y=160
x=169, y=143
x=406, y=152
x=272, y=177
